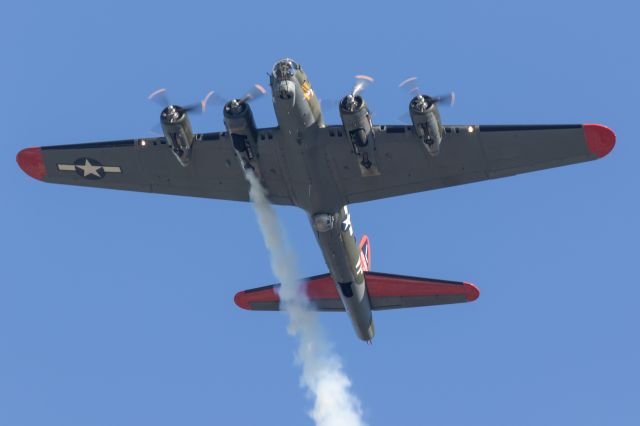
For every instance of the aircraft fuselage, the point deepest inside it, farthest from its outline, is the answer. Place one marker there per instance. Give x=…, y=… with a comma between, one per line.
x=299, y=117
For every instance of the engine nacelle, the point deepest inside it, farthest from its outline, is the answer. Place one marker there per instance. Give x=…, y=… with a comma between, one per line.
x=241, y=126
x=177, y=131
x=357, y=125
x=426, y=122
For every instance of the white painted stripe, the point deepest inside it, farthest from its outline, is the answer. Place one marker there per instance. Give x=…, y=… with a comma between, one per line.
x=72, y=168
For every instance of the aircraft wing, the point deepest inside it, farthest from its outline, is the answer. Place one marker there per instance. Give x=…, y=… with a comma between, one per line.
x=148, y=165
x=488, y=152
x=386, y=291
x=467, y=154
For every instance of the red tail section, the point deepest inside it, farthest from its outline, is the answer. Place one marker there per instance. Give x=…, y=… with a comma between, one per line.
x=386, y=291
x=321, y=290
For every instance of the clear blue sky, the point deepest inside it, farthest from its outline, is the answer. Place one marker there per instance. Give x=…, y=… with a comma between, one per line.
x=113, y=313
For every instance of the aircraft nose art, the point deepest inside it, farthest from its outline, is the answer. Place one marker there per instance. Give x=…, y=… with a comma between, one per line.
x=30, y=161
x=600, y=139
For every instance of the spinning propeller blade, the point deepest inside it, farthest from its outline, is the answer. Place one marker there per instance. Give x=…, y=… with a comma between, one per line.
x=411, y=85
x=161, y=98
x=256, y=92
x=362, y=81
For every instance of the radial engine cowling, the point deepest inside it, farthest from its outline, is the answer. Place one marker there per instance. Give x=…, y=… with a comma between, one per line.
x=241, y=126
x=177, y=131
x=426, y=122
x=357, y=125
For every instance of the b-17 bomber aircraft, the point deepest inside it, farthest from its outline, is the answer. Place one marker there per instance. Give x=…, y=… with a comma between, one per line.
x=322, y=168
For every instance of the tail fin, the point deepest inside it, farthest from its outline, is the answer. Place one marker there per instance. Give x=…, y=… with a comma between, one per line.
x=365, y=253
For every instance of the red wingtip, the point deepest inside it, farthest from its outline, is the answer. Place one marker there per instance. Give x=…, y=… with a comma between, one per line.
x=242, y=300
x=30, y=161
x=600, y=139
x=471, y=291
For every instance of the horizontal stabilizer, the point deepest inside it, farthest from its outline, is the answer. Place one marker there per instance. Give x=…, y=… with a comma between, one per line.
x=321, y=291
x=386, y=291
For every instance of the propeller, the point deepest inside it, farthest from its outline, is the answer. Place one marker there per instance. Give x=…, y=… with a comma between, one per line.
x=161, y=98
x=362, y=81
x=254, y=93
x=213, y=97
x=411, y=85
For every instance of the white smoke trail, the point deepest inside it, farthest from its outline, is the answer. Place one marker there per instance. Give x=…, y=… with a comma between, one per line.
x=322, y=375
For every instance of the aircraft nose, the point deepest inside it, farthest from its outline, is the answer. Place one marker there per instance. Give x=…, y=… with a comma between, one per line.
x=286, y=92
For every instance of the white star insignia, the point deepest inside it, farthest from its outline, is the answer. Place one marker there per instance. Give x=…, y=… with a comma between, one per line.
x=89, y=169
x=346, y=223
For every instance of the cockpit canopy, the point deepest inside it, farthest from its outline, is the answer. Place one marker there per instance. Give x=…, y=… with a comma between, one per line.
x=285, y=69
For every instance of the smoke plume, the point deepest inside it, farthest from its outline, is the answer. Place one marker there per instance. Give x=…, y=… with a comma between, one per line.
x=322, y=374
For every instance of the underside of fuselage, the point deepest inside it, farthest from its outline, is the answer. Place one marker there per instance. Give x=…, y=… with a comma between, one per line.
x=299, y=117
